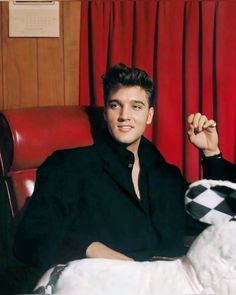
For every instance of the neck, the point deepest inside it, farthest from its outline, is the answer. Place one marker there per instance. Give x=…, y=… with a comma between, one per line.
x=133, y=148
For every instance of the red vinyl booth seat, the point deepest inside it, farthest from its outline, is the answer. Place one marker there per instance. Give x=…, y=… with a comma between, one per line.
x=28, y=136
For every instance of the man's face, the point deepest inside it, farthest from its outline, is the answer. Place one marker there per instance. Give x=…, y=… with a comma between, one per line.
x=127, y=113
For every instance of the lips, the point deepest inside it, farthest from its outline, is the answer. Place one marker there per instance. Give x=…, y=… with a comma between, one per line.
x=125, y=128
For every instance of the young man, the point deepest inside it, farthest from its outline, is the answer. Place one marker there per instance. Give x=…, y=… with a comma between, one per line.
x=117, y=199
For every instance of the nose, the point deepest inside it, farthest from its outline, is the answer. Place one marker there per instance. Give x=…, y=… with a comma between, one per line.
x=124, y=114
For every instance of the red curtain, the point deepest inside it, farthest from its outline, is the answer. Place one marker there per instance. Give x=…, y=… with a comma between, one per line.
x=189, y=49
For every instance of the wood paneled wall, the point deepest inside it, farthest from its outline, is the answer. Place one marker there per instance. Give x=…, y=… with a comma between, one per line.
x=40, y=71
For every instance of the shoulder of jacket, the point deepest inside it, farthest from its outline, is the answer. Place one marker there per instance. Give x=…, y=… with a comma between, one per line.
x=170, y=169
x=68, y=156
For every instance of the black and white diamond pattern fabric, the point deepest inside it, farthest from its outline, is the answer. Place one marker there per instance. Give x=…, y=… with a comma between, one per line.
x=211, y=201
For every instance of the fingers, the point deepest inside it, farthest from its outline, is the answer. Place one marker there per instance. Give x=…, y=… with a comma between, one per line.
x=190, y=118
x=199, y=122
x=190, y=130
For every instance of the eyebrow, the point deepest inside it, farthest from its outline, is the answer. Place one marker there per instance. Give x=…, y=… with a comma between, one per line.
x=139, y=101
x=133, y=101
x=112, y=100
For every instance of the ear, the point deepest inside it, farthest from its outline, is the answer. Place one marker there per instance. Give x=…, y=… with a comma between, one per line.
x=150, y=115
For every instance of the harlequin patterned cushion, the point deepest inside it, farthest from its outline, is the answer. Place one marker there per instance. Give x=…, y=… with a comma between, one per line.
x=211, y=201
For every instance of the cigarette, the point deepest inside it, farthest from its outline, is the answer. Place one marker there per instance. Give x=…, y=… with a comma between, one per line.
x=213, y=124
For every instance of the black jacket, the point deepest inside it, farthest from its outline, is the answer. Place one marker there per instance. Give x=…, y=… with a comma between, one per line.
x=218, y=169
x=86, y=194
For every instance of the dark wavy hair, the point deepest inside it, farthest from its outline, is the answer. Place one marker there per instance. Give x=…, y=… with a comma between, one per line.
x=122, y=76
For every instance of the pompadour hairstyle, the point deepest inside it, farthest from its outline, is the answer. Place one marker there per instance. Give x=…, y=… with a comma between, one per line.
x=120, y=76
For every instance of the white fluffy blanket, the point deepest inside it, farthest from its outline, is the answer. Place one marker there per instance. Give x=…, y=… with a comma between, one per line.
x=213, y=257
x=209, y=268
x=116, y=277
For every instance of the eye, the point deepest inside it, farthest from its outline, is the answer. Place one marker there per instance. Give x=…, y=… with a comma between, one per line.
x=137, y=107
x=113, y=105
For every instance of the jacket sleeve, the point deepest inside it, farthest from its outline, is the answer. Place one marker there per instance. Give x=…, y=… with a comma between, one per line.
x=218, y=169
x=43, y=229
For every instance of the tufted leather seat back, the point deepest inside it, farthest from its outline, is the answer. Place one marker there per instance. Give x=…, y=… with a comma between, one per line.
x=28, y=136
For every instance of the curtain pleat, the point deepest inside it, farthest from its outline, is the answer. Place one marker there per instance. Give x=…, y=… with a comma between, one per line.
x=225, y=65
x=189, y=49
x=169, y=80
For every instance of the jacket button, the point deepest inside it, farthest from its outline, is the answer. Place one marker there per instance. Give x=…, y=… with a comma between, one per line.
x=130, y=165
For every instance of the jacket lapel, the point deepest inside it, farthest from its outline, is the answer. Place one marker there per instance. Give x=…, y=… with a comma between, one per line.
x=116, y=170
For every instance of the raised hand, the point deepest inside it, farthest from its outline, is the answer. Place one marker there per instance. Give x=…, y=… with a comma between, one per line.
x=202, y=134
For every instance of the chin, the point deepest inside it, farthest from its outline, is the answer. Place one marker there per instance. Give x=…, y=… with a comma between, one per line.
x=126, y=140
